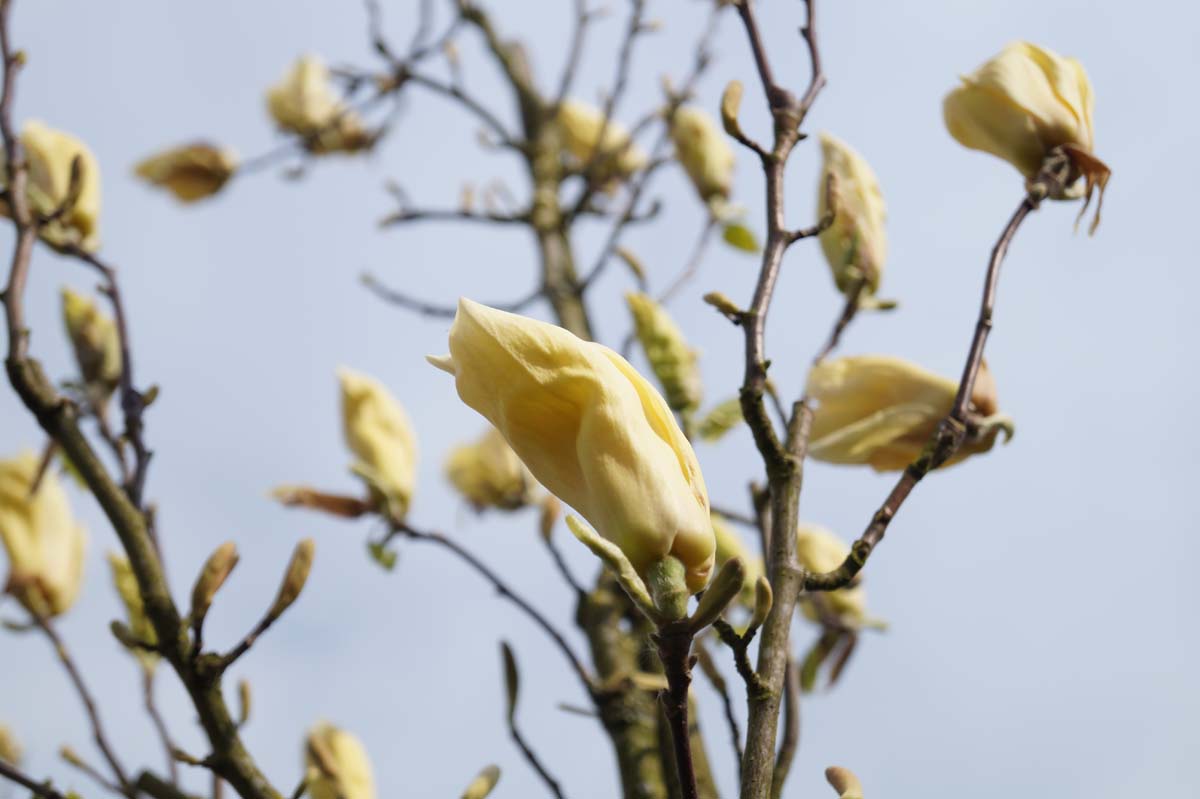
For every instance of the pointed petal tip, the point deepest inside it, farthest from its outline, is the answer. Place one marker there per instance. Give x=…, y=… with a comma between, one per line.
x=443, y=362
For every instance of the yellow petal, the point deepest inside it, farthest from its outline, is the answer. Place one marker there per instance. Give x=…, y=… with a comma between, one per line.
x=337, y=765
x=855, y=245
x=379, y=433
x=191, y=173
x=50, y=155
x=703, y=149
x=591, y=429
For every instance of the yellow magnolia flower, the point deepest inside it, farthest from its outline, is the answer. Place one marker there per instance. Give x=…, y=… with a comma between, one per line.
x=670, y=357
x=819, y=550
x=1024, y=103
x=50, y=154
x=855, y=245
x=45, y=544
x=591, y=429
x=191, y=172
x=336, y=765
x=580, y=125
x=703, y=150
x=731, y=545
x=378, y=432
x=489, y=474
x=305, y=103
x=882, y=411
x=96, y=344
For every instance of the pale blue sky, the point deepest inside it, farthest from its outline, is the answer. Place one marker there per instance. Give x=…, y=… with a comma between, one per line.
x=1040, y=599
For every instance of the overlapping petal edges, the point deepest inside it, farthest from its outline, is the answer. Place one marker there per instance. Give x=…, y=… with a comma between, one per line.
x=591, y=429
x=1022, y=106
x=882, y=411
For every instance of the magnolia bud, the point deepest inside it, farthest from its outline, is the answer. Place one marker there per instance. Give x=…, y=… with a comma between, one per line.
x=855, y=243
x=844, y=782
x=191, y=172
x=580, y=126
x=763, y=599
x=216, y=570
x=883, y=411
x=704, y=152
x=336, y=765
x=731, y=101
x=591, y=429
x=295, y=578
x=730, y=309
x=243, y=688
x=671, y=359
x=723, y=589
x=63, y=183
x=96, y=344
x=304, y=103
x=489, y=474
x=483, y=783
x=125, y=581
x=45, y=544
x=379, y=433
x=295, y=496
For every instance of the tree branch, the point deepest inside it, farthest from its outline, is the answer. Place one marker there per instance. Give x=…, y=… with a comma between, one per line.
x=43, y=789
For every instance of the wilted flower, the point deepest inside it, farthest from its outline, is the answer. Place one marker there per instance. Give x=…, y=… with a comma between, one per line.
x=882, y=411
x=670, y=357
x=378, y=432
x=336, y=765
x=304, y=103
x=1022, y=105
x=591, y=429
x=191, y=172
x=125, y=581
x=703, y=150
x=489, y=474
x=96, y=345
x=819, y=550
x=580, y=126
x=44, y=542
x=50, y=155
x=855, y=245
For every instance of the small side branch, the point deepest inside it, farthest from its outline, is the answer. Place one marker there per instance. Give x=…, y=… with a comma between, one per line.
x=434, y=310
x=14, y=774
x=160, y=724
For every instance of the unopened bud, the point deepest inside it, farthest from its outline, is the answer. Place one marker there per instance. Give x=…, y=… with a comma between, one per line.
x=730, y=309
x=671, y=359
x=296, y=577
x=731, y=101
x=633, y=262
x=483, y=783
x=720, y=592
x=96, y=345
x=10, y=750
x=71, y=756
x=763, y=599
x=216, y=570
x=243, y=701
x=844, y=782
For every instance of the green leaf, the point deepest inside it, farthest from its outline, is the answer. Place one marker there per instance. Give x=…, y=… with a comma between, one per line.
x=380, y=553
x=740, y=237
x=720, y=419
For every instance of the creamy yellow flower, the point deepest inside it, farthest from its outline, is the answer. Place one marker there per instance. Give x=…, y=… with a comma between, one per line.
x=191, y=172
x=336, y=765
x=45, y=544
x=855, y=245
x=125, y=582
x=819, y=550
x=378, y=432
x=1024, y=103
x=305, y=103
x=96, y=345
x=703, y=150
x=592, y=430
x=580, y=125
x=670, y=357
x=882, y=411
x=50, y=154
x=731, y=545
x=489, y=474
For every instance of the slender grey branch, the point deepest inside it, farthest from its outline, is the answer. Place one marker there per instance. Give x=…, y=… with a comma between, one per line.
x=14, y=774
x=440, y=311
x=574, y=52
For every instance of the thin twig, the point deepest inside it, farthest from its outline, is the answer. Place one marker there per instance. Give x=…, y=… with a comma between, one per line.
x=440, y=311
x=693, y=262
x=91, y=772
x=160, y=724
x=89, y=703
x=574, y=52
x=506, y=591
x=849, y=311
x=717, y=680
x=406, y=215
x=949, y=435
x=43, y=789
x=564, y=569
